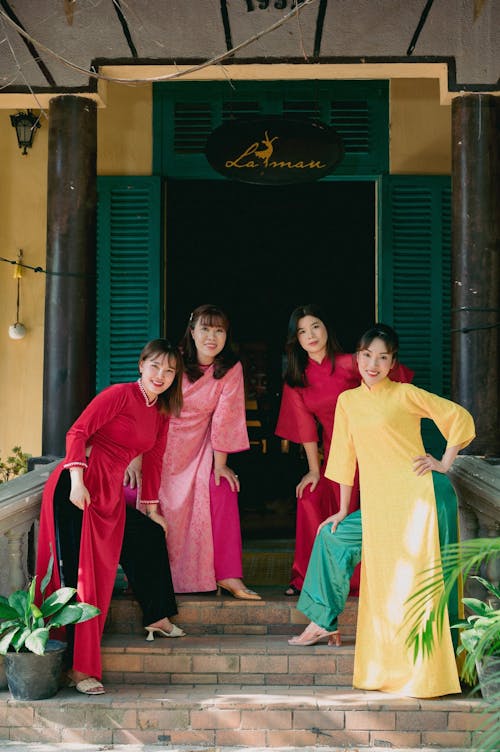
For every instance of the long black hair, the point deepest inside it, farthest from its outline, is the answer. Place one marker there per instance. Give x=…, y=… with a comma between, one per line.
x=210, y=315
x=169, y=401
x=297, y=358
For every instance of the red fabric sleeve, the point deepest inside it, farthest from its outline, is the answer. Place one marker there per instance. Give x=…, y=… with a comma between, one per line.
x=98, y=412
x=295, y=422
x=152, y=463
x=402, y=373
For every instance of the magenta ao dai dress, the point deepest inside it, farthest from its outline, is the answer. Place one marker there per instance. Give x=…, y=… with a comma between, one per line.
x=204, y=538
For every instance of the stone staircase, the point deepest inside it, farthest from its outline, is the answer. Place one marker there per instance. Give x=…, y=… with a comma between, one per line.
x=235, y=682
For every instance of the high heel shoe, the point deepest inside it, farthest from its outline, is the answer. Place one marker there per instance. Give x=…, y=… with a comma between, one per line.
x=334, y=639
x=174, y=632
x=242, y=594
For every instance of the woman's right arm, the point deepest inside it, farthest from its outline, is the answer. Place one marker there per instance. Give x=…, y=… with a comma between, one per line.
x=98, y=412
x=296, y=423
x=78, y=494
x=345, y=500
x=311, y=478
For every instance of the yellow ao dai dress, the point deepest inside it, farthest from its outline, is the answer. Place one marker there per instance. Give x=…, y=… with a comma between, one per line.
x=379, y=428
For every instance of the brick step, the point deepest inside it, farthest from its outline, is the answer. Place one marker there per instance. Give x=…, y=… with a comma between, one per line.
x=225, y=659
x=236, y=715
x=209, y=614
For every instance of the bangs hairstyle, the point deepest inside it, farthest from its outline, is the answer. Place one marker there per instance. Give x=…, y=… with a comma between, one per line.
x=296, y=357
x=207, y=315
x=386, y=334
x=170, y=401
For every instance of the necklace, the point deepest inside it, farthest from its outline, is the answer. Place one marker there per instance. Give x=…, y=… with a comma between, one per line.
x=145, y=395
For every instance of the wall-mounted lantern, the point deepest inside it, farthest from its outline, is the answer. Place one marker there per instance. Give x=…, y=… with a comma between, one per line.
x=25, y=124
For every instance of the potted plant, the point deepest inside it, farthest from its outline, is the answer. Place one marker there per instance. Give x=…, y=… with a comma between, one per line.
x=479, y=631
x=480, y=641
x=32, y=661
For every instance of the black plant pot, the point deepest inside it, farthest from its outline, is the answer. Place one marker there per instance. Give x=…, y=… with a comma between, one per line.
x=35, y=677
x=3, y=678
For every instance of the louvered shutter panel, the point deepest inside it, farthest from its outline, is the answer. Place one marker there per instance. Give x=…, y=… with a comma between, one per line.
x=415, y=279
x=128, y=274
x=186, y=114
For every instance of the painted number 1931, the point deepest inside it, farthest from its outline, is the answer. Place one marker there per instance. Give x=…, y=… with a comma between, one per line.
x=278, y=4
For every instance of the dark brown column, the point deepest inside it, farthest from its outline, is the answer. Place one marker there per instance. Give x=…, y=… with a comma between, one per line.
x=475, y=265
x=69, y=350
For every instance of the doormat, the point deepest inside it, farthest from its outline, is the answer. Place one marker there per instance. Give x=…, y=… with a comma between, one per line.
x=267, y=568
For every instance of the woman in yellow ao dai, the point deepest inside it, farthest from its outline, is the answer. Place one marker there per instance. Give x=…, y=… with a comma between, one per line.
x=377, y=426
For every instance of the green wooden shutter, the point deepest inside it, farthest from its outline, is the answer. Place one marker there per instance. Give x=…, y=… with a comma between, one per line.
x=186, y=113
x=128, y=274
x=415, y=278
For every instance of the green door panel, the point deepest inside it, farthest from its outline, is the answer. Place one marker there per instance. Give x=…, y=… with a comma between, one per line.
x=415, y=278
x=129, y=263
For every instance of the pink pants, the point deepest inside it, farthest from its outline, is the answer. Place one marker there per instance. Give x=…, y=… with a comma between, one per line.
x=226, y=531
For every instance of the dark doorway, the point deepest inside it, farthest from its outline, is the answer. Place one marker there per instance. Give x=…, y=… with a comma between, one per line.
x=259, y=251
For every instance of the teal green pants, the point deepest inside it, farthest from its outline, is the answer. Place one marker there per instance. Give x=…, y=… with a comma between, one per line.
x=333, y=558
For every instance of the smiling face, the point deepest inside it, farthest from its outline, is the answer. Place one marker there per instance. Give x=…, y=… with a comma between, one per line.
x=312, y=336
x=157, y=373
x=375, y=362
x=209, y=340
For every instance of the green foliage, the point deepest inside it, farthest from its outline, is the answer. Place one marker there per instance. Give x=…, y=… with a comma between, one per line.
x=457, y=560
x=16, y=464
x=25, y=627
x=479, y=632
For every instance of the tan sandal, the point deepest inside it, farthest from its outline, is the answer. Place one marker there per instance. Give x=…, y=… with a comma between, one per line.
x=88, y=686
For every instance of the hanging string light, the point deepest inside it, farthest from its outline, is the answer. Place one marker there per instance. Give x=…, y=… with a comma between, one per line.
x=18, y=330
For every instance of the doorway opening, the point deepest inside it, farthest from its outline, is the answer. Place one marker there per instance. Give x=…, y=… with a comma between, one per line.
x=260, y=251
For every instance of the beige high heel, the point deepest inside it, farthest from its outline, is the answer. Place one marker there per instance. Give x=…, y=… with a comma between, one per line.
x=334, y=639
x=242, y=594
x=174, y=632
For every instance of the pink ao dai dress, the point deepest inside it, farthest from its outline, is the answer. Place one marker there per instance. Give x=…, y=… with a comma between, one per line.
x=204, y=538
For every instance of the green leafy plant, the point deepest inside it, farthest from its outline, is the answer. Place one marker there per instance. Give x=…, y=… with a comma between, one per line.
x=479, y=632
x=25, y=627
x=15, y=464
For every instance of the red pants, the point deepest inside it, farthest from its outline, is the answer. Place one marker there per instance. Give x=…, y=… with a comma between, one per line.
x=312, y=508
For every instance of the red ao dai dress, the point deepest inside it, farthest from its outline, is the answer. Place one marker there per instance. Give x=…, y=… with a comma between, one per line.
x=302, y=409
x=113, y=429
x=204, y=537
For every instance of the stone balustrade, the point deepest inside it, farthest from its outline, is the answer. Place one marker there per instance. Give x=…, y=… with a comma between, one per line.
x=20, y=501
x=477, y=483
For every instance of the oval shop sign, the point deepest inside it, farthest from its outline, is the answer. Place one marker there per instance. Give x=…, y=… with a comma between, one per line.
x=274, y=150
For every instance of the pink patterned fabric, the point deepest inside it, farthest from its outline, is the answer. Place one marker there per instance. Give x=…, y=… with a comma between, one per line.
x=212, y=418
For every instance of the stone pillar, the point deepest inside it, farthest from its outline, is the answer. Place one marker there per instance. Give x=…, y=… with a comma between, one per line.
x=475, y=265
x=70, y=340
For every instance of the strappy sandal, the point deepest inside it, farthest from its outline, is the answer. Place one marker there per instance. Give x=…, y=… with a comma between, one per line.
x=292, y=590
x=88, y=686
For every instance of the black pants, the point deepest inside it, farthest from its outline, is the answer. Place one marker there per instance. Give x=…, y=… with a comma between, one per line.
x=144, y=557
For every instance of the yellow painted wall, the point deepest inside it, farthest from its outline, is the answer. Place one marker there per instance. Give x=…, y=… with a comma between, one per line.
x=125, y=131
x=420, y=143
x=124, y=148
x=23, y=212
x=420, y=128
